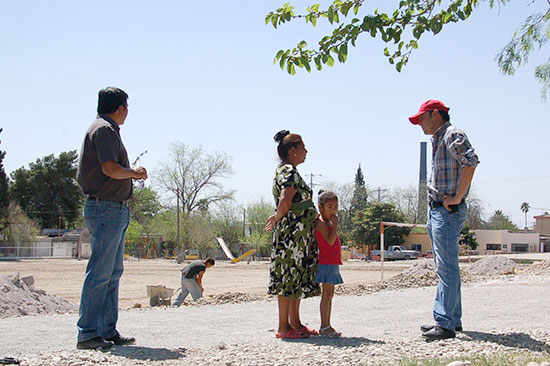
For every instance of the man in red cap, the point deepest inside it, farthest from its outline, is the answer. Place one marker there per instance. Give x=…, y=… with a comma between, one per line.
x=453, y=165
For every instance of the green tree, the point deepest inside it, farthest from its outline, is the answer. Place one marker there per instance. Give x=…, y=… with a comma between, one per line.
x=406, y=201
x=228, y=222
x=257, y=213
x=201, y=232
x=475, y=211
x=195, y=176
x=525, y=208
x=4, y=195
x=367, y=225
x=48, y=190
x=144, y=205
x=360, y=194
x=499, y=221
x=401, y=29
x=21, y=229
x=468, y=238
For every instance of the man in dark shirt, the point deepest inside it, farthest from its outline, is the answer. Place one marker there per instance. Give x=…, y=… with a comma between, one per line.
x=105, y=176
x=191, y=280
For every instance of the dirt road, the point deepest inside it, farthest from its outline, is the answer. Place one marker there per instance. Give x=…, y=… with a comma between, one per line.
x=64, y=277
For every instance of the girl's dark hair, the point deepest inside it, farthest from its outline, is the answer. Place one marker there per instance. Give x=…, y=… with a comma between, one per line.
x=286, y=141
x=325, y=196
x=210, y=260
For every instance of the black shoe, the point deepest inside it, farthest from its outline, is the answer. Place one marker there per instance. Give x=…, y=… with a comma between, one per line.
x=438, y=333
x=121, y=341
x=94, y=343
x=425, y=328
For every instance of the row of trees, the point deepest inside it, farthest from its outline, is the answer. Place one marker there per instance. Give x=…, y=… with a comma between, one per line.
x=188, y=188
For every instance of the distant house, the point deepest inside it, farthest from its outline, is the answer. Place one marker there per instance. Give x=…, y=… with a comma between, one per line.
x=504, y=241
x=542, y=226
x=489, y=241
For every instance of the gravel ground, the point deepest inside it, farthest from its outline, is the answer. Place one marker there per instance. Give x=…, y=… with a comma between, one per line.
x=502, y=314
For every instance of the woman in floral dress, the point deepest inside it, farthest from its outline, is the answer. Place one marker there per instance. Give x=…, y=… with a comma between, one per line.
x=294, y=253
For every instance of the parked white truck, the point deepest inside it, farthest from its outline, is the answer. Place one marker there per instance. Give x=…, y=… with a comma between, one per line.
x=396, y=252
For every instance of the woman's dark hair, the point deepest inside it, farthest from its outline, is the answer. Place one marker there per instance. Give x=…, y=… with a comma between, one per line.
x=325, y=196
x=110, y=99
x=210, y=260
x=286, y=141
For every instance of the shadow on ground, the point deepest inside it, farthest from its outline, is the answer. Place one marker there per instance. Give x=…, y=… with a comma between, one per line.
x=148, y=353
x=336, y=342
x=516, y=340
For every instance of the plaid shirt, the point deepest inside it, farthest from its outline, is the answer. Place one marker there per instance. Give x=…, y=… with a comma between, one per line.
x=451, y=151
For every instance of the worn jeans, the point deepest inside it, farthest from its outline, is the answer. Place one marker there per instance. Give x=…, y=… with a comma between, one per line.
x=444, y=231
x=107, y=222
x=188, y=286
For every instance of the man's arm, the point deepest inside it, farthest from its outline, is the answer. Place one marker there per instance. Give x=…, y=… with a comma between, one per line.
x=466, y=177
x=116, y=171
x=198, y=278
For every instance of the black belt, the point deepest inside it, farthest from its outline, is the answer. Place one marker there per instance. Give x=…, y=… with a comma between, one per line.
x=101, y=199
x=436, y=204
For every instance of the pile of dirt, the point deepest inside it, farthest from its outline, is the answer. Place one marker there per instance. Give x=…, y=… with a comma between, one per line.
x=228, y=298
x=19, y=297
x=420, y=275
x=540, y=268
x=494, y=266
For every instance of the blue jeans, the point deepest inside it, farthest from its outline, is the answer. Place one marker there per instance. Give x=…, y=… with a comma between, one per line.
x=107, y=222
x=188, y=286
x=444, y=231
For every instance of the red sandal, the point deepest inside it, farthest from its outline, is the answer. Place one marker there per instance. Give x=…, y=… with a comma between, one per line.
x=292, y=334
x=311, y=332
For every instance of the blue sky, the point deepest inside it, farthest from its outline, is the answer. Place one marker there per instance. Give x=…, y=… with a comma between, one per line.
x=202, y=73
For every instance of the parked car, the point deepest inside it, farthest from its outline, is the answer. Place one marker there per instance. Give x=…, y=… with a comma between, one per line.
x=396, y=252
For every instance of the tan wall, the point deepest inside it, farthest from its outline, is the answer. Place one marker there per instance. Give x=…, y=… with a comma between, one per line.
x=542, y=225
x=505, y=239
x=418, y=238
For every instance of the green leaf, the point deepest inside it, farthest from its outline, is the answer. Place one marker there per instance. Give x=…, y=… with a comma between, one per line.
x=356, y=8
x=330, y=14
x=314, y=21
x=274, y=20
x=330, y=61
x=268, y=17
x=290, y=68
x=302, y=44
x=343, y=53
x=318, y=63
x=278, y=56
x=399, y=66
x=386, y=51
x=315, y=8
x=413, y=44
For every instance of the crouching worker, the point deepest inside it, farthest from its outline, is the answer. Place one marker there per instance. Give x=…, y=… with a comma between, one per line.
x=191, y=280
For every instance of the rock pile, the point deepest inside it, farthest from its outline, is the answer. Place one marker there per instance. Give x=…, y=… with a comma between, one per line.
x=540, y=268
x=421, y=274
x=19, y=297
x=229, y=298
x=494, y=266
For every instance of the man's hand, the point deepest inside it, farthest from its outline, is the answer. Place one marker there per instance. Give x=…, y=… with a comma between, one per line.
x=140, y=173
x=451, y=200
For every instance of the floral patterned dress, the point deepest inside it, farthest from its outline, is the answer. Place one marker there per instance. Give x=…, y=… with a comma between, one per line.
x=294, y=253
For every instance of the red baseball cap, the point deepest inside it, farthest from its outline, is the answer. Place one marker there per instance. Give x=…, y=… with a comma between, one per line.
x=429, y=105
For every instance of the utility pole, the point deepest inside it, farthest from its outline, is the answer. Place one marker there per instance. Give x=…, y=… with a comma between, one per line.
x=311, y=175
x=379, y=190
x=178, y=217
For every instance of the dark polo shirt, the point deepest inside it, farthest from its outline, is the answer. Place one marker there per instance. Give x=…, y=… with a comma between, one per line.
x=193, y=269
x=101, y=144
